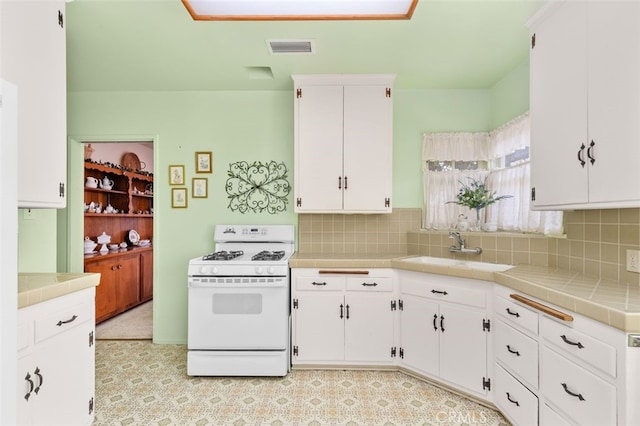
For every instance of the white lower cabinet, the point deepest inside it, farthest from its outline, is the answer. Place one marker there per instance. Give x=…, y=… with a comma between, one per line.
x=514, y=399
x=444, y=329
x=56, y=361
x=577, y=369
x=343, y=317
x=584, y=397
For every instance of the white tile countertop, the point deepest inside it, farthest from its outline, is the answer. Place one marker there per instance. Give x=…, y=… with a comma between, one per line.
x=38, y=287
x=612, y=303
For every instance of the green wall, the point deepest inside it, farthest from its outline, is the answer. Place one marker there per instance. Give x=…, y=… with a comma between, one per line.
x=235, y=126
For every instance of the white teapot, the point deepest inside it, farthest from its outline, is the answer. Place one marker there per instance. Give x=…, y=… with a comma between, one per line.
x=106, y=183
x=91, y=182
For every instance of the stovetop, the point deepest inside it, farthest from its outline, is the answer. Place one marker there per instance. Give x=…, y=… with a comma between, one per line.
x=244, y=250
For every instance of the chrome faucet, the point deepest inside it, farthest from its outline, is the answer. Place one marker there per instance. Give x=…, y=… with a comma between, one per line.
x=462, y=249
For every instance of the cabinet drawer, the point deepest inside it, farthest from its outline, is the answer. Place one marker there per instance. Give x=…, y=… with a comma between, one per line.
x=585, y=398
x=517, y=351
x=548, y=417
x=63, y=320
x=324, y=283
x=369, y=284
x=516, y=315
x=518, y=402
x=592, y=351
x=446, y=289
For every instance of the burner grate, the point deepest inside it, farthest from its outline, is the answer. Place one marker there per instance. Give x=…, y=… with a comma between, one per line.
x=268, y=255
x=223, y=255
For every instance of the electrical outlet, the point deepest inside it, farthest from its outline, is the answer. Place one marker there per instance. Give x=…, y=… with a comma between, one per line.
x=633, y=260
x=29, y=214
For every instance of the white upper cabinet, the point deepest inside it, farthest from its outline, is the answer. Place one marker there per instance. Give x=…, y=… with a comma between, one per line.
x=34, y=59
x=343, y=143
x=585, y=105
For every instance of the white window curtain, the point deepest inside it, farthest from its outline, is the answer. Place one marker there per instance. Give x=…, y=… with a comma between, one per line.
x=510, y=214
x=441, y=187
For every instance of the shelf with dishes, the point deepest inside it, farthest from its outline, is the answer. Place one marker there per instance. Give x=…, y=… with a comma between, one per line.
x=116, y=191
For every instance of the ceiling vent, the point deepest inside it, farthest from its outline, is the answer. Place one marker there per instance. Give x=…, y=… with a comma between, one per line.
x=281, y=47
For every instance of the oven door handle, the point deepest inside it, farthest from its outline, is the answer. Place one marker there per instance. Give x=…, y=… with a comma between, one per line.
x=214, y=286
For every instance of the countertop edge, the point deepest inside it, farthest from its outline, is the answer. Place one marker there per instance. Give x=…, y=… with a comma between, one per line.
x=48, y=286
x=515, y=278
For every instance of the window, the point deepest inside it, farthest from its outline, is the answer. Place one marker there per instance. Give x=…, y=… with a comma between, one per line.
x=502, y=156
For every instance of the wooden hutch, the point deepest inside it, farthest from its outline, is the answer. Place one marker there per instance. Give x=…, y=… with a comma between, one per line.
x=126, y=273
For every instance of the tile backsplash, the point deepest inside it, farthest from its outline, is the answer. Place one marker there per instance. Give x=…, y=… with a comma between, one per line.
x=595, y=244
x=357, y=233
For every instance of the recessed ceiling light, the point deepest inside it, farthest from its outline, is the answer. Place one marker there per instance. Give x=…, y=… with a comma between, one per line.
x=265, y=10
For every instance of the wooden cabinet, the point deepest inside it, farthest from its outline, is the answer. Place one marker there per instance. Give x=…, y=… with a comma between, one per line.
x=339, y=318
x=146, y=276
x=443, y=320
x=127, y=275
x=343, y=143
x=56, y=358
x=585, y=104
x=34, y=59
x=126, y=280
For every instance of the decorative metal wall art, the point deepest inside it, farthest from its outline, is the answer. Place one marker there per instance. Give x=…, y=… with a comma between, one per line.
x=258, y=187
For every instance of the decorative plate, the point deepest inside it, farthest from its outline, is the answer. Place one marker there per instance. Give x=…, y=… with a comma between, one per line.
x=134, y=237
x=130, y=161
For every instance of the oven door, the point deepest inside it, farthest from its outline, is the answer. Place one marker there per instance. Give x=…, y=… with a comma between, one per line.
x=238, y=313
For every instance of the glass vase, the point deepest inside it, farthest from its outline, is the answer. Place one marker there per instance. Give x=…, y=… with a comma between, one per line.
x=479, y=221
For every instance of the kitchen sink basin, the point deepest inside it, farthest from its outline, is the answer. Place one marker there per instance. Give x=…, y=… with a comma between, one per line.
x=465, y=264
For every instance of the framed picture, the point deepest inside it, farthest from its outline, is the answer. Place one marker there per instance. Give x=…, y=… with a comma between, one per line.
x=176, y=175
x=204, y=162
x=199, y=188
x=178, y=197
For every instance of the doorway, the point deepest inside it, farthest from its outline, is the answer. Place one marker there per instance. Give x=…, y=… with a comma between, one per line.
x=118, y=222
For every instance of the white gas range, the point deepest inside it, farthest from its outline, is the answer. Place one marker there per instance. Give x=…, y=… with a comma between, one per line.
x=238, y=303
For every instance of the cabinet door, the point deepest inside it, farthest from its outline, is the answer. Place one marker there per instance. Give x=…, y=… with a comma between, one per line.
x=33, y=58
x=614, y=100
x=419, y=337
x=463, y=346
x=146, y=275
x=127, y=281
x=368, y=136
x=318, y=149
x=319, y=327
x=68, y=378
x=24, y=394
x=558, y=88
x=368, y=327
x=106, y=302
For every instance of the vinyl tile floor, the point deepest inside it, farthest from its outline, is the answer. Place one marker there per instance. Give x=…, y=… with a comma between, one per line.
x=141, y=383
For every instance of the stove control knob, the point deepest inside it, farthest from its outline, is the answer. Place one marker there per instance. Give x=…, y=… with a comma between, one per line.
x=203, y=270
x=259, y=270
x=271, y=270
x=214, y=270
